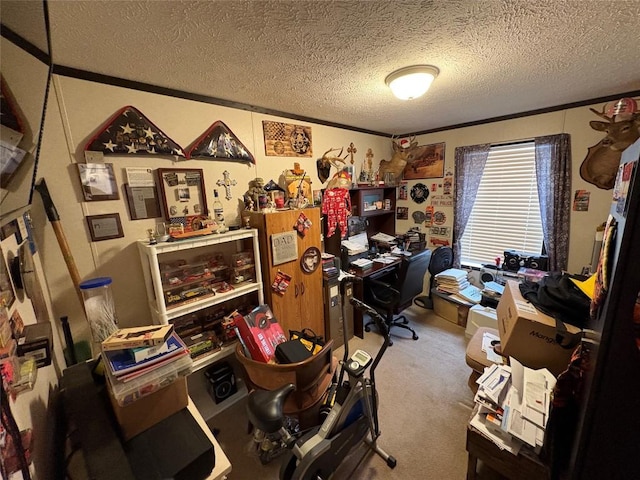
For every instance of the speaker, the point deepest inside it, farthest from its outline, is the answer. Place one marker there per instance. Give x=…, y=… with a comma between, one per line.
x=512, y=260
x=222, y=381
x=487, y=275
x=539, y=262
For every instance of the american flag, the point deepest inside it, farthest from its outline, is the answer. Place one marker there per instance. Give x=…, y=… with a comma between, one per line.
x=130, y=132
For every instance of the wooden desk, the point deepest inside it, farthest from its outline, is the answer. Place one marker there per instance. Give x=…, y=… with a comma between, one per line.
x=378, y=269
x=524, y=466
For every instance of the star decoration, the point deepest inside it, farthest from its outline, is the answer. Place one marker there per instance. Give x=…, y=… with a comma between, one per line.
x=126, y=129
x=130, y=132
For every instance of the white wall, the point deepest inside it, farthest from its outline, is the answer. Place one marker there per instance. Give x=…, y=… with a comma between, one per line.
x=574, y=122
x=77, y=110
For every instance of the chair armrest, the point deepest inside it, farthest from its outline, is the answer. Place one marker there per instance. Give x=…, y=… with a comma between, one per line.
x=379, y=283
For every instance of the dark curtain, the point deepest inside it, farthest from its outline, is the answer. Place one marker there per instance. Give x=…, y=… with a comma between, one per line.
x=469, y=165
x=553, y=174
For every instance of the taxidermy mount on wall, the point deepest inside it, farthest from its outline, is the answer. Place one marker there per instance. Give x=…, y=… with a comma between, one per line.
x=622, y=127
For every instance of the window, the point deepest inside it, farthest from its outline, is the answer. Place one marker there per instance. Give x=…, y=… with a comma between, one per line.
x=506, y=213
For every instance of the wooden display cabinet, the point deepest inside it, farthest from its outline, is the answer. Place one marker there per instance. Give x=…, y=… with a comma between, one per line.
x=301, y=304
x=364, y=203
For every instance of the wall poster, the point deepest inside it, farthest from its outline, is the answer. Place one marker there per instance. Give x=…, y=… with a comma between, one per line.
x=428, y=162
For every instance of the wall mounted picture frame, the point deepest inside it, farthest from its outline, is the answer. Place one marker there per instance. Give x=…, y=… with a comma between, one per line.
x=98, y=181
x=183, y=195
x=428, y=162
x=143, y=202
x=104, y=227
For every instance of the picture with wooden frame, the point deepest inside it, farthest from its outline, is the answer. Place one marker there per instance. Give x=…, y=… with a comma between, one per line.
x=98, y=181
x=104, y=227
x=428, y=162
x=183, y=196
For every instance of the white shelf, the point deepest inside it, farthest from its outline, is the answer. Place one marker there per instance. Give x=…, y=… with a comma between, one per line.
x=207, y=359
x=199, y=304
x=227, y=244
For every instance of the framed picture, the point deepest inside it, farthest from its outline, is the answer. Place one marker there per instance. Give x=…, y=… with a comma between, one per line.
x=143, y=202
x=98, y=181
x=428, y=162
x=104, y=227
x=183, y=195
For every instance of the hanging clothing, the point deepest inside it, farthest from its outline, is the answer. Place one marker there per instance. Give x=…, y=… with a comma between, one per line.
x=336, y=206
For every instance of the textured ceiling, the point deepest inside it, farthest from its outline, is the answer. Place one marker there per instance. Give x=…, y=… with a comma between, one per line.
x=327, y=60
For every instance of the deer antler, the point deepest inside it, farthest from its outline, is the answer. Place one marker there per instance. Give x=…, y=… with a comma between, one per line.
x=333, y=160
x=602, y=114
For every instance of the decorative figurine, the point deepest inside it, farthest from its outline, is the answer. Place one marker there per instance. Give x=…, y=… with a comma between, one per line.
x=152, y=236
x=256, y=195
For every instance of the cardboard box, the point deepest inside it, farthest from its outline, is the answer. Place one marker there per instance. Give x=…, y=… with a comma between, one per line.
x=449, y=310
x=261, y=333
x=529, y=335
x=142, y=414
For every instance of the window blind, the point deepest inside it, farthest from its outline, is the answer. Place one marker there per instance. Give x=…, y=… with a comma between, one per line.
x=506, y=213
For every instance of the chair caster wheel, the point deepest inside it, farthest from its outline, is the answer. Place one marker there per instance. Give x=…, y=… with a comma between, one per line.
x=391, y=462
x=415, y=337
x=367, y=329
x=390, y=343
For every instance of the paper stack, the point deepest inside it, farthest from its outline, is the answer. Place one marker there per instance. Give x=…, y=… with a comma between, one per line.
x=513, y=405
x=452, y=280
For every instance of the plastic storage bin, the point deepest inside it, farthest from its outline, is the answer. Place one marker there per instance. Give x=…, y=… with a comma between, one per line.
x=126, y=393
x=99, y=308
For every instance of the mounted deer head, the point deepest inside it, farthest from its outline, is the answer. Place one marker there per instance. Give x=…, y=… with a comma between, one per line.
x=600, y=166
x=399, y=160
x=324, y=164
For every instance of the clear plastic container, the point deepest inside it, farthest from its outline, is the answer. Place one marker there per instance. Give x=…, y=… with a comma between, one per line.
x=99, y=309
x=130, y=391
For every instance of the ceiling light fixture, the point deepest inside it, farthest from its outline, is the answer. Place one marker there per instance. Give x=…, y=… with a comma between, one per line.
x=411, y=82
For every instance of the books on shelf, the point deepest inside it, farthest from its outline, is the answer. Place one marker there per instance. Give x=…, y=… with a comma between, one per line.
x=133, y=337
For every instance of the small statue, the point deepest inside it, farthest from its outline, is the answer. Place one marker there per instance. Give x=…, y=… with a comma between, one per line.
x=152, y=237
x=256, y=195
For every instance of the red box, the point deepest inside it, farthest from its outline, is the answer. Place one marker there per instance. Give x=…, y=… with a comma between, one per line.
x=261, y=333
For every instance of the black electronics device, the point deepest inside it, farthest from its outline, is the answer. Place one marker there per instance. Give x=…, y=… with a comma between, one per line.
x=511, y=260
x=514, y=260
x=222, y=381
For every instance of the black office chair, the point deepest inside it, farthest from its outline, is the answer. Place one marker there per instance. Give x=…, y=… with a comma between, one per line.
x=441, y=260
x=391, y=293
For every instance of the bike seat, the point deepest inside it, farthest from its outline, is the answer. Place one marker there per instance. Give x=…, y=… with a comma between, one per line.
x=264, y=407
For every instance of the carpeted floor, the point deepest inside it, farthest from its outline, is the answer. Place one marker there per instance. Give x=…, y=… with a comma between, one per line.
x=425, y=404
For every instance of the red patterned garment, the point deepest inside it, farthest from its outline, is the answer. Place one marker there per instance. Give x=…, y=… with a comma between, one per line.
x=336, y=205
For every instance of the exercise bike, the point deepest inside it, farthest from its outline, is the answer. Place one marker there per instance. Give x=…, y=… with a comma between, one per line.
x=351, y=420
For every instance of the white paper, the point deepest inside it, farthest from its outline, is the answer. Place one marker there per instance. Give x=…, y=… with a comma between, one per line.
x=140, y=177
